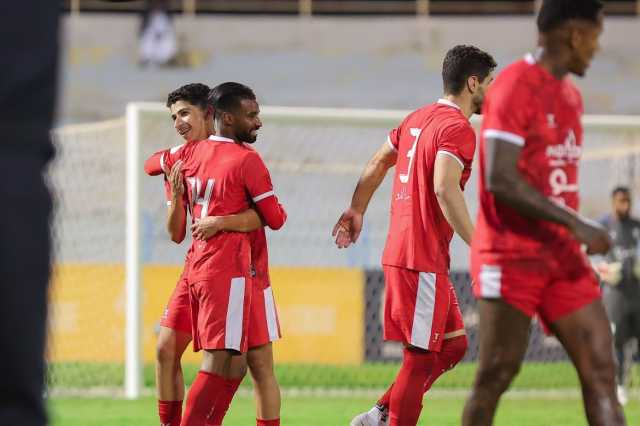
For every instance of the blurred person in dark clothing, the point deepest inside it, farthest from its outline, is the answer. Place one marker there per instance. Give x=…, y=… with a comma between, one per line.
x=620, y=273
x=158, y=41
x=27, y=98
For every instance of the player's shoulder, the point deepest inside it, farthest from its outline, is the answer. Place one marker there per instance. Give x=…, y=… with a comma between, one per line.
x=417, y=117
x=421, y=112
x=520, y=74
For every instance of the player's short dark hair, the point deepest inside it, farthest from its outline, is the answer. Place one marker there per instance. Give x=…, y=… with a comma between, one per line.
x=460, y=63
x=227, y=96
x=620, y=189
x=554, y=13
x=195, y=93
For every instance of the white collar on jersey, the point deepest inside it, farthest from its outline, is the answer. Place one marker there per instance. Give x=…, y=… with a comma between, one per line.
x=533, y=58
x=220, y=139
x=447, y=102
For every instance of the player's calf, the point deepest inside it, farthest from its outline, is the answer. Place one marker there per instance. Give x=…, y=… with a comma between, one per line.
x=267, y=390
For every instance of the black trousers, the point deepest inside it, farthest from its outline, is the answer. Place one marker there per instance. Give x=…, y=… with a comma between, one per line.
x=25, y=243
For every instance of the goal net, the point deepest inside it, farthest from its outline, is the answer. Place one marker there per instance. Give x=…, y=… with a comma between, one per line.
x=115, y=266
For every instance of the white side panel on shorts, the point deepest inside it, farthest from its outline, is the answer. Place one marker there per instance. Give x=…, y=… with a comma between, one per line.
x=270, y=310
x=490, y=281
x=425, y=306
x=235, y=314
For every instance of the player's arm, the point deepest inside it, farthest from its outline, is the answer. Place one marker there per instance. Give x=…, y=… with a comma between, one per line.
x=446, y=183
x=509, y=187
x=347, y=229
x=260, y=189
x=247, y=221
x=177, y=215
x=154, y=165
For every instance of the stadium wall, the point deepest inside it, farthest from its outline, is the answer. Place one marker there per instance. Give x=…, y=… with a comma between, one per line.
x=321, y=313
x=330, y=316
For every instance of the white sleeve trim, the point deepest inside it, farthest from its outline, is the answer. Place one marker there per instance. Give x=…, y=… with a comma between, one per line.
x=163, y=166
x=452, y=155
x=168, y=203
x=391, y=145
x=262, y=196
x=505, y=136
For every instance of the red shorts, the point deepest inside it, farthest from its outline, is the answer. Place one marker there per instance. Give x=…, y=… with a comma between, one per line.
x=264, y=326
x=420, y=308
x=536, y=286
x=177, y=315
x=220, y=310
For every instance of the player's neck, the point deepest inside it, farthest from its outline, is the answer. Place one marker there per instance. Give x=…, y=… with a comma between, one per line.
x=227, y=133
x=463, y=102
x=554, y=61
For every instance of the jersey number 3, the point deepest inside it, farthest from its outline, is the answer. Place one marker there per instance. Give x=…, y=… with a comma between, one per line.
x=415, y=132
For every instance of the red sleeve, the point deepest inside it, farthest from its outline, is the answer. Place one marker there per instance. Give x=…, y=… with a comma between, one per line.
x=394, y=138
x=459, y=142
x=509, y=111
x=260, y=189
x=155, y=164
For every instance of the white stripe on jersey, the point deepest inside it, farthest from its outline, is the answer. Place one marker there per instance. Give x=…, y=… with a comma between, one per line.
x=452, y=155
x=262, y=196
x=505, y=136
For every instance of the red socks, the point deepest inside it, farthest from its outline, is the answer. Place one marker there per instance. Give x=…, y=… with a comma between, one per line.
x=224, y=401
x=203, y=400
x=452, y=352
x=274, y=422
x=384, y=399
x=405, y=402
x=170, y=412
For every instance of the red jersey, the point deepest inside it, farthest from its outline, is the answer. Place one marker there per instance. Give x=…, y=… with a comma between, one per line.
x=222, y=178
x=529, y=107
x=419, y=235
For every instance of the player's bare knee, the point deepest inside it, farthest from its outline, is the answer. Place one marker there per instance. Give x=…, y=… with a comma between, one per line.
x=261, y=369
x=600, y=373
x=238, y=368
x=497, y=375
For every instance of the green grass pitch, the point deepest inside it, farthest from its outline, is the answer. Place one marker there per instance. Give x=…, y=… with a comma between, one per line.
x=553, y=406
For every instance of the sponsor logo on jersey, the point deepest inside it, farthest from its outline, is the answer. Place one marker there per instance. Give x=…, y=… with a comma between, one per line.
x=566, y=151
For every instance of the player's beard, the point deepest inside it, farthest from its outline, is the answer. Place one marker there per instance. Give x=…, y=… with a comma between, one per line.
x=249, y=137
x=478, y=101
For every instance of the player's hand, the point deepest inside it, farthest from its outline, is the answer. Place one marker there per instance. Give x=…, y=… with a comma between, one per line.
x=593, y=235
x=347, y=229
x=610, y=273
x=206, y=227
x=175, y=179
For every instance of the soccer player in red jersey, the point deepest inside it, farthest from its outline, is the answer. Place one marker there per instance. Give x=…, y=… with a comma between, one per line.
x=432, y=150
x=193, y=120
x=526, y=251
x=264, y=324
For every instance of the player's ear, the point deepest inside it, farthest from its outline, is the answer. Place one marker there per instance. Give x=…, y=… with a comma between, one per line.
x=227, y=118
x=576, y=38
x=473, y=83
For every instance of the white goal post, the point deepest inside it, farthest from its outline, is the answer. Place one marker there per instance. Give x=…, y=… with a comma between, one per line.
x=609, y=138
